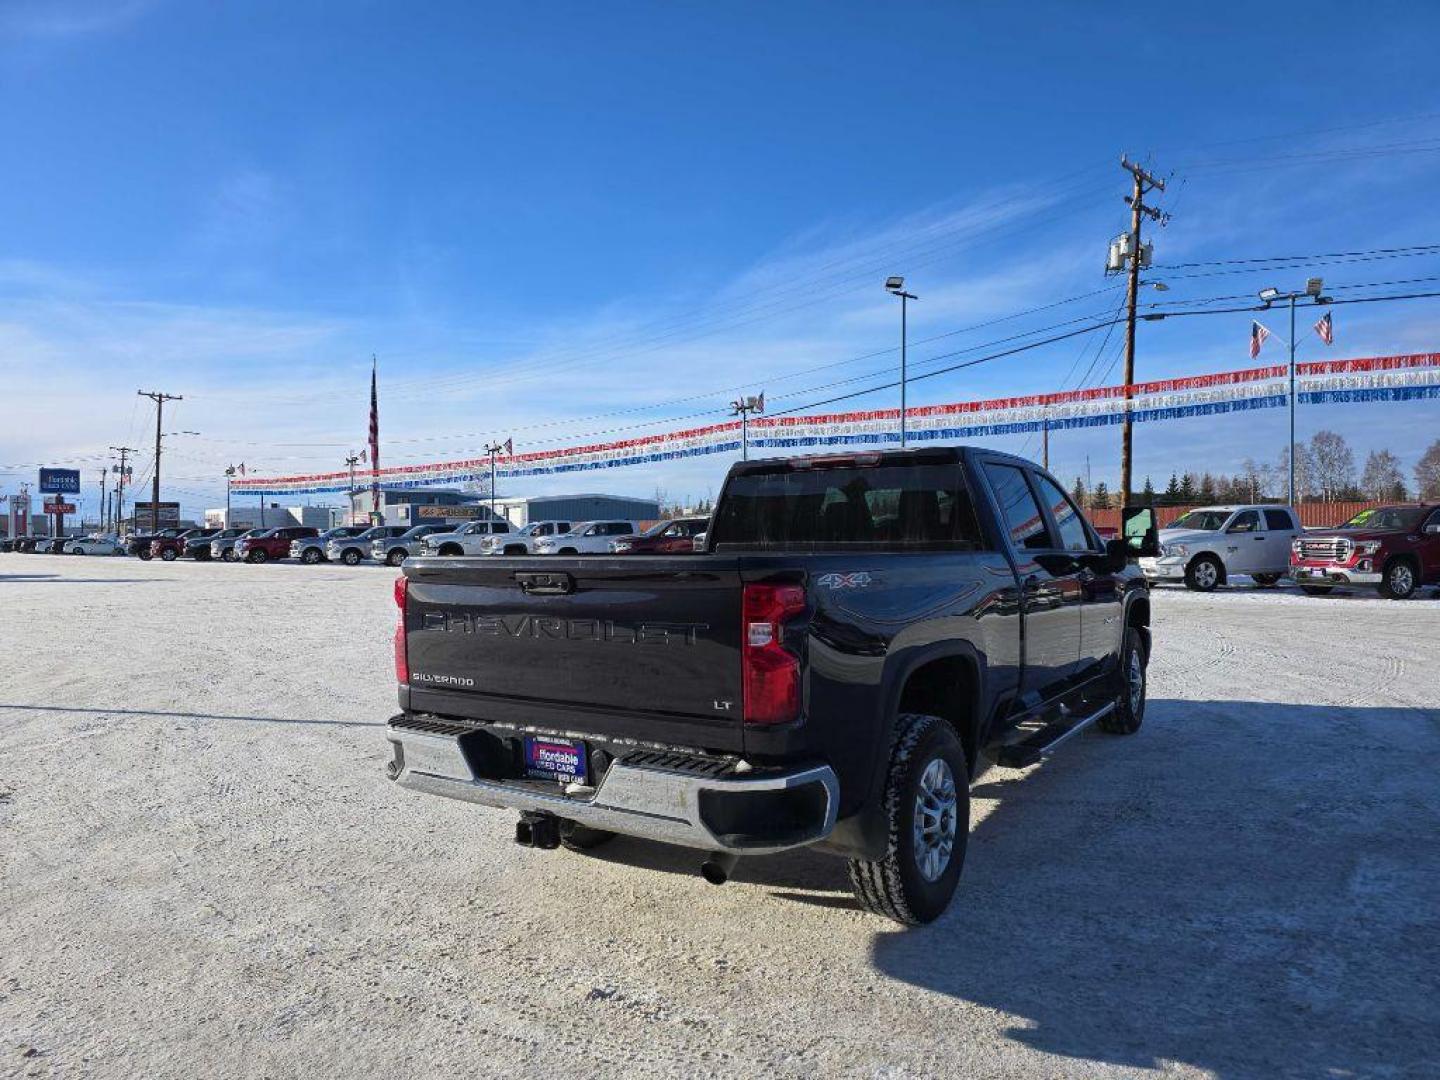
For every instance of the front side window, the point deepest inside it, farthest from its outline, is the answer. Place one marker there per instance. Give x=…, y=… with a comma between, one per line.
x=1019, y=511
x=1246, y=522
x=1067, y=519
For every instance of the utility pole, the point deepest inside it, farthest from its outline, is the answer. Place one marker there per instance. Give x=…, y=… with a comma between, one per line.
x=743, y=407
x=101, y=514
x=352, y=461
x=1045, y=437
x=122, y=479
x=1135, y=256
x=159, y=399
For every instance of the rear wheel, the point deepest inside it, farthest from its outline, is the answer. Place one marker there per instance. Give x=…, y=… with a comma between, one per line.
x=927, y=807
x=579, y=837
x=1399, y=580
x=1204, y=574
x=1129, y=709
x=145, y=555
x=311, y=556
x=77, y=551
x=1265, y=581
x=1316, y=590
x=396, y=557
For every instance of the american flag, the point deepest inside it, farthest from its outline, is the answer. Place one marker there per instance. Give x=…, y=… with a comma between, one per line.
x=1326, y=329
x=374, y=435
x=1258, y=334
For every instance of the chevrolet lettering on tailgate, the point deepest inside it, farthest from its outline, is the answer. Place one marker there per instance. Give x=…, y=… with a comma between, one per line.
x=539, y=627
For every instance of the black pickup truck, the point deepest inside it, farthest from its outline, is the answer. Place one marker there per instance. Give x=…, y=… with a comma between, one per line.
x=860, y=636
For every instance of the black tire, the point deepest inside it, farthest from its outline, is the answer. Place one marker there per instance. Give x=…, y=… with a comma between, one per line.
x=895, y=886
x=257, y=556
x=579, y=837
x=203, y=555
x=1265, y=581
x=568, y=551
x=76, y=551
x=515, y=549
x=1400, y=580
x=1316, y=590
x=310, y=556
x=1204, y=574
x=396, y=557
x=350, y=557
x=228, y=555
x=145, y=556
x=168, y=555
x=1129, y=710
x=452, y=550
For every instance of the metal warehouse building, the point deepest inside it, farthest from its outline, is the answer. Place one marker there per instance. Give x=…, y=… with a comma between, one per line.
x=523, y=510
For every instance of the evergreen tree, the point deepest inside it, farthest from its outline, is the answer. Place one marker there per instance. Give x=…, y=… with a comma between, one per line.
x=1101, y=499
x=1078, y=493
x=1187, y=489
x=1172, y=491
x=1207, y=493
x=1147, y=496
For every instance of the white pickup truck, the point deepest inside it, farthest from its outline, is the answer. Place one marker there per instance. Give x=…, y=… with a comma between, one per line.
x=523, y=541
x=465, y=540
x=1205, y=546
x=585, y=538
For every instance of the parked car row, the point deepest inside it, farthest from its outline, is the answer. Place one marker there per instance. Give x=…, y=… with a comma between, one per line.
x=1394, y=549
x=387, y=544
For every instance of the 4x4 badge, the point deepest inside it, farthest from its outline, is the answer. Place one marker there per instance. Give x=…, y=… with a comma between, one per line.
x=858, y=580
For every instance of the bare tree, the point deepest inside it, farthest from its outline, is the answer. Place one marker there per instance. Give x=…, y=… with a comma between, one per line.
x=1382, y=478
x=1305, y=485
x=1427, y=472
x=1254, y=479
x=1334, y=464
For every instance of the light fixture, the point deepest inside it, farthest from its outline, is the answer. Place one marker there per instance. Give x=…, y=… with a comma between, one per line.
x=1315, y=286
x=893, y=283
x=1158, y=286
x=1269, y=294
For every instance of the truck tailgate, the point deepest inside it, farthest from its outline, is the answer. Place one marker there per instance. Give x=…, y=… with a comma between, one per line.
x=644, y=647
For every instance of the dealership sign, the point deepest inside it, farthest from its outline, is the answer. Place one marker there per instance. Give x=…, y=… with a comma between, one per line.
x=169, y=513
x=60, y=481
x=59, y=508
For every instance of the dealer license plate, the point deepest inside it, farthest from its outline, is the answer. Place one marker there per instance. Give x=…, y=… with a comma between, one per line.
x=555, y=759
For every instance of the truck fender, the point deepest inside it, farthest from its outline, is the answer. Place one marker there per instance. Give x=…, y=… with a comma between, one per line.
x=865, y=834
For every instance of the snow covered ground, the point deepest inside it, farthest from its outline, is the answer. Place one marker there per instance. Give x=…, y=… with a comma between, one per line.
x=203, y=871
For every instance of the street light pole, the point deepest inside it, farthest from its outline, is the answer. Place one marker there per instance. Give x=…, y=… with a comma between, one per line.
x=1314, y=288
x=493, y=449
x=896, y=287
x=743, y=407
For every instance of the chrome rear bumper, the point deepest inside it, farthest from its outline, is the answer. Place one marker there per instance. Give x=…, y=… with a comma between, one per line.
x=707, y=812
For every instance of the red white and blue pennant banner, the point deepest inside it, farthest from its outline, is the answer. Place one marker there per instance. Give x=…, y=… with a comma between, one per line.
x=1383, y=378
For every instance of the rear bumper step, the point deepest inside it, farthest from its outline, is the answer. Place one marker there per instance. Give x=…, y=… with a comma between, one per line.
x=744, y=813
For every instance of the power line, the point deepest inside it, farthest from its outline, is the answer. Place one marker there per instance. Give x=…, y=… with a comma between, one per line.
x=1378, y=252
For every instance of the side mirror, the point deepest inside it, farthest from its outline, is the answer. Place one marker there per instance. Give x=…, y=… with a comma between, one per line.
x=1139, y=531
x=1117, y=555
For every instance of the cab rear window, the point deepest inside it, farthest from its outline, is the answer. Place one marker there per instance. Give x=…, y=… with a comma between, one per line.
x=910, y=507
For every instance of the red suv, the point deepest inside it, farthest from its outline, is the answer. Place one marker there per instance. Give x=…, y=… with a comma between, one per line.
x=666, y=538
x=1395, y=548
x=272, y=544
x=171, y=548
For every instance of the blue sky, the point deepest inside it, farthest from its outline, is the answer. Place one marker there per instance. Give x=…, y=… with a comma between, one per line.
x=537, y=215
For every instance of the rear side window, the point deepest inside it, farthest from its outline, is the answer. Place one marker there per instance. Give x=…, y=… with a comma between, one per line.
x=1279, y=519
x=1067, y=519
x=1019, y=511
x=888, y=507
x=618, y=528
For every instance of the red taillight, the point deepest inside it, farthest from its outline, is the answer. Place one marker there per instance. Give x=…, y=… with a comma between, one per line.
x=402, y=659
x=771, y=673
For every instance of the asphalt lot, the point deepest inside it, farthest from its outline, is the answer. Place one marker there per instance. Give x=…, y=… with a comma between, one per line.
x=203, y=871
